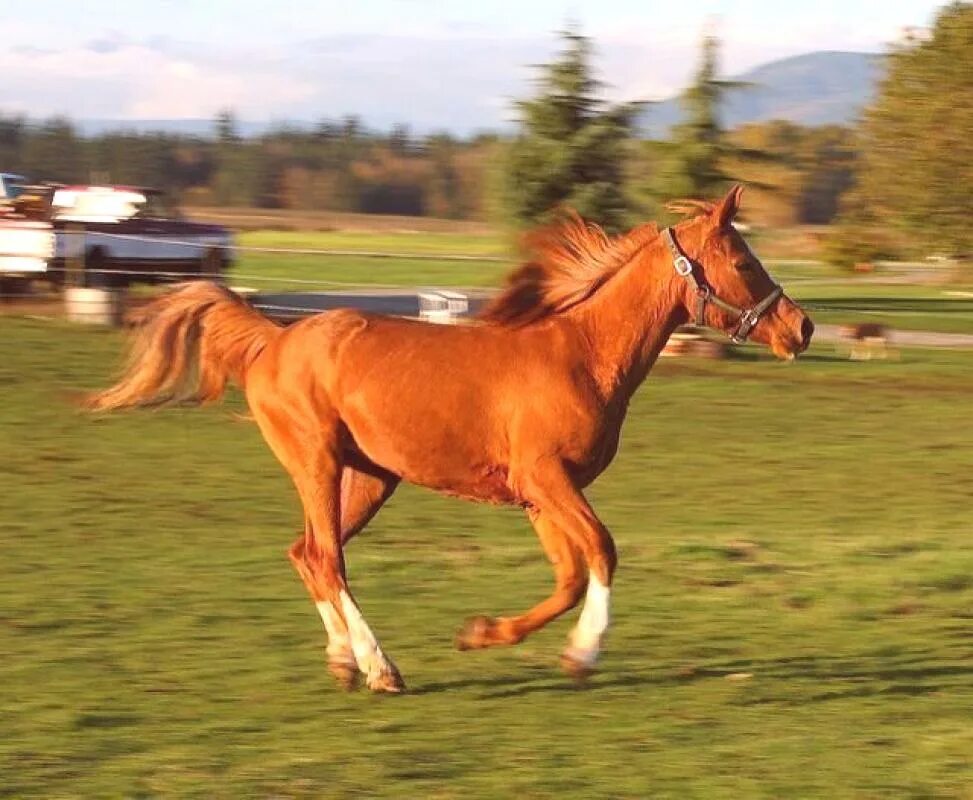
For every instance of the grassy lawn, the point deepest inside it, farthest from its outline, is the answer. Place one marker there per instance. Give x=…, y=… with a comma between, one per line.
x=834, y=296
x=897, y=306
x=274, y=270
x=793, y=612
x=381, y=241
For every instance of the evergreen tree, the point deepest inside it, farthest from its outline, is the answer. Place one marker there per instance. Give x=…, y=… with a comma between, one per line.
x=692, y=165
x=226, y=127
x=13, y=134
x=55, y=152
x=237, y=181
x=572, y=146
x=400, y=140
x=443, y=185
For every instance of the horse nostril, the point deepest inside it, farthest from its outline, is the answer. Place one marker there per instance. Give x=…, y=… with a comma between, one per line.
x=807, y=330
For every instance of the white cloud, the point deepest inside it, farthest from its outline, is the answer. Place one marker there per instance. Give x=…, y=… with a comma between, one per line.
x=132, y=80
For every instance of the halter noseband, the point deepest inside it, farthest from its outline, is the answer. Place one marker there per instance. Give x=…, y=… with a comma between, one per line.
x=747, y=318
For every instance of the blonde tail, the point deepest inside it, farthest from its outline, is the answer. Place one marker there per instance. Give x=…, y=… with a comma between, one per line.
x=188, y=344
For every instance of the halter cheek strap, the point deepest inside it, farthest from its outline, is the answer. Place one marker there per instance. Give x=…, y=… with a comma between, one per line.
x=747, y=318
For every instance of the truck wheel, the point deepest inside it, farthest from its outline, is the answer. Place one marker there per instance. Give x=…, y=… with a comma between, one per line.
x=99, y=273
x=12, y=287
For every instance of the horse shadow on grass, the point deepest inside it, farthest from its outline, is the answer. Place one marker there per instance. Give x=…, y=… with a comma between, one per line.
x=782, y=680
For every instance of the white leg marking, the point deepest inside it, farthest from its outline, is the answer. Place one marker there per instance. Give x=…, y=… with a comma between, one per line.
x=339, y=644
x=585, y=639
x=371, y=660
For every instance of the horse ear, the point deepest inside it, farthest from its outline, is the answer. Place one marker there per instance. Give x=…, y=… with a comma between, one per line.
x=728, y=206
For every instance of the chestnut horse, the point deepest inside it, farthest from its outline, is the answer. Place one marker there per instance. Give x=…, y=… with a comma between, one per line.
x=523, y=407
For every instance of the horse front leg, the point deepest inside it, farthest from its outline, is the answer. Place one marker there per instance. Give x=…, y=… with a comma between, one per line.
x=550, y=489
x=570, y=575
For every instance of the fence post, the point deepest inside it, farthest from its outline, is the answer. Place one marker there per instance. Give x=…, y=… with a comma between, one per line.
x=74, y=256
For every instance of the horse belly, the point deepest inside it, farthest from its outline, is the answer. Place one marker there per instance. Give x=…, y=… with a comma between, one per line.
x=482, y=484
x=447, y=458
x=442, y=466
x=428, y=404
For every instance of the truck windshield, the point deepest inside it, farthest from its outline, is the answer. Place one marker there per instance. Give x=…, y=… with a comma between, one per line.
x=156, y=206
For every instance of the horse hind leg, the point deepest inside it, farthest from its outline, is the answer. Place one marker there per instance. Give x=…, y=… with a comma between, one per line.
x=364, y=489
x=570, y=580
x=341, y=658
x=320, y=492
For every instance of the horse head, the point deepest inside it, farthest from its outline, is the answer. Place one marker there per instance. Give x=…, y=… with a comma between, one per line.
x=726, y=285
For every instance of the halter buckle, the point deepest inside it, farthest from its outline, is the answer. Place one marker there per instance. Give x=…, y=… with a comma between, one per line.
x=748, y=321
x=683, y=265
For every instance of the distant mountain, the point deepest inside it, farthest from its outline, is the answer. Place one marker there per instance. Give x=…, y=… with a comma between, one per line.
x=821, y=88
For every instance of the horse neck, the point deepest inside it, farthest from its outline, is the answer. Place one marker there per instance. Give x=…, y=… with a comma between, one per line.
x=629, y=320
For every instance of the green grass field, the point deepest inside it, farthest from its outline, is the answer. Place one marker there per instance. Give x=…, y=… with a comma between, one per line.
x=793, y=614
x=910, y=307
x=833, y=295
x=275, y=270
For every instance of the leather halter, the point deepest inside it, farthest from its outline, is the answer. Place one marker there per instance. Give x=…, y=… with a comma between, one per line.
x=747, y=318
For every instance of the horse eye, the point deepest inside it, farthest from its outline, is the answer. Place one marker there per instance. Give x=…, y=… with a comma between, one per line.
x=745, y=266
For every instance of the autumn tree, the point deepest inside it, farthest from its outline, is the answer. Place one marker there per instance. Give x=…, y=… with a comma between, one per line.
x=798, y=174
x=916, y=174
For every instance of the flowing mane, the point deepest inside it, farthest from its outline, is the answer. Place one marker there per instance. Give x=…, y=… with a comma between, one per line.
x=567, y=262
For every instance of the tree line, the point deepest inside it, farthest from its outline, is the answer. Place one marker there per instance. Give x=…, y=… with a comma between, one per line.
x=337, y=166
x=340, y=166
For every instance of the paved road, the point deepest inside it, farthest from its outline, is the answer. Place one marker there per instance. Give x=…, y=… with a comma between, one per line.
x=902, y=338
x=292, y=306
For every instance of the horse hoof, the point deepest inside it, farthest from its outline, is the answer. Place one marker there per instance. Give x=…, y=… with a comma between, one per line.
x=346, y=674
x=388, y=681
x=473, y=634
x=577, y=670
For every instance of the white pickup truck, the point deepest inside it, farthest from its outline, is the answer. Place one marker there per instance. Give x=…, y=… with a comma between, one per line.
x=106, y=236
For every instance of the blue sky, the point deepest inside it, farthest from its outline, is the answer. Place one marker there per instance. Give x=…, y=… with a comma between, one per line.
x=429, y=64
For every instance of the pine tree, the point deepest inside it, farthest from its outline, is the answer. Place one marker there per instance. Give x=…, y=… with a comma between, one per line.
x=235, y=182
x=55, y=152
x=692, y=166
x=572, y=146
